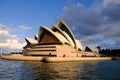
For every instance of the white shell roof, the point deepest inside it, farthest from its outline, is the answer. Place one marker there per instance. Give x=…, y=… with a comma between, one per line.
x=60, y=22
x=55, y=34
x=79, y=45
x=62, y=33
x=36, y=36
x=69, y=39
x=31, y=41
x=93, y=49
x=61, y=38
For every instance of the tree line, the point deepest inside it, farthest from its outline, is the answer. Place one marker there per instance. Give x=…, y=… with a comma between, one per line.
x=109, y=52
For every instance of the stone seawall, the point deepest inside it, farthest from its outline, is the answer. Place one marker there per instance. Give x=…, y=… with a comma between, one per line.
x=78, y=59
x=51, y=59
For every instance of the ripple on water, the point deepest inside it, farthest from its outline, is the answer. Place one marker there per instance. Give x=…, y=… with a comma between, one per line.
x=94, y=70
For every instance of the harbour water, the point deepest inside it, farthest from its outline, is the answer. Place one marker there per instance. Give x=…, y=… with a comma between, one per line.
x=85, y=70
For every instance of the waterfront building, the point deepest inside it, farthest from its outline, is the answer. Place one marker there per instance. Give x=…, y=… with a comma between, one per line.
x=58, y=41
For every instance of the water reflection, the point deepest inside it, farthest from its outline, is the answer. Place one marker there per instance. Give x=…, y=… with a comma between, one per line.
x=51, y=70
x=95, y=70
x=66, y=70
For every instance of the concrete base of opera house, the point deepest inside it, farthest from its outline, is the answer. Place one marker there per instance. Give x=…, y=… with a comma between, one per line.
x=21, y=57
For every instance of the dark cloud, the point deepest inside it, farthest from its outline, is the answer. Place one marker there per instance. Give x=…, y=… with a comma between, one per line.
x=112, y=12
x=85, y=21
x=96, y=20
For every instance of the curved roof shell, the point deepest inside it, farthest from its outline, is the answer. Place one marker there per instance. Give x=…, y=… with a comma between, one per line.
x=56, y=35
x=79, y=45
x=31, y=41
x=66, y=29
x=59, y=31
x=36, y=37
x=44, y=30
x=89, y=49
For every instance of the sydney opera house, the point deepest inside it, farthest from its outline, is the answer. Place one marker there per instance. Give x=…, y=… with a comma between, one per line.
x=58, y=41
x=55, y=44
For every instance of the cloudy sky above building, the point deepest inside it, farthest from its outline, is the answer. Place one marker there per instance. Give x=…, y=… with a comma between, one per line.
x=94, y=22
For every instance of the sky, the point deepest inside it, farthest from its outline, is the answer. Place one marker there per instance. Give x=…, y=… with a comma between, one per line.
x=94, y=22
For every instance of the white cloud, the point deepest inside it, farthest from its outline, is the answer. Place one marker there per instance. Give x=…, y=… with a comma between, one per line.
x=4, y=27
x=8, y=40
x=107, y=2
x=24, y=27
